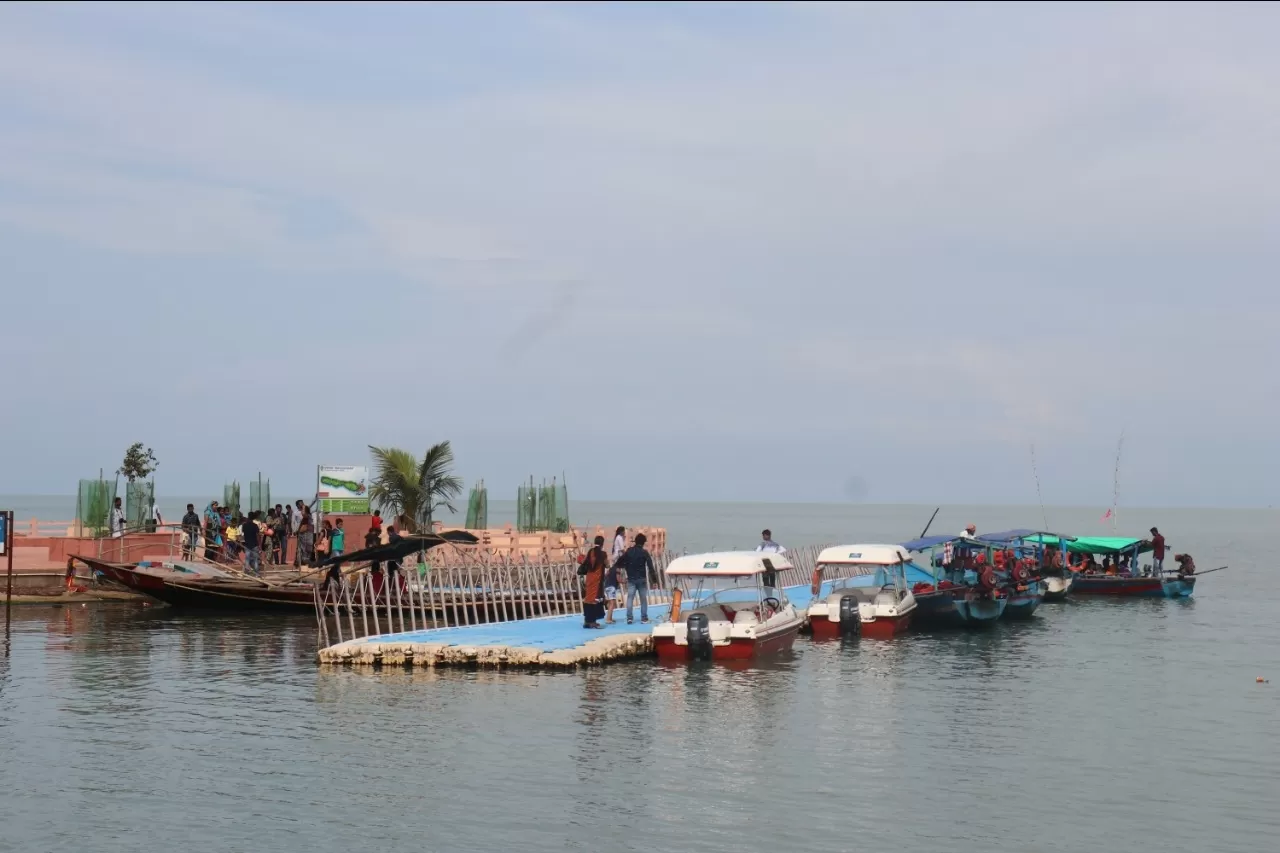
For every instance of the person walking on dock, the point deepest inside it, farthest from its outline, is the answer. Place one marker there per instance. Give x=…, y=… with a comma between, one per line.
x=638, y=565
x=251, y=536
x=1157, y=551
x=191, y=530
x=592, y=573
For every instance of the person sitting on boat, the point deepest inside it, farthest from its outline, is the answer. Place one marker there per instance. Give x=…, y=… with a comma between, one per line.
x=970, y=531
x=1186, y=565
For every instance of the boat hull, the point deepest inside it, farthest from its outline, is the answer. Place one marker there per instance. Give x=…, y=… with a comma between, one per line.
x=738, y=648
x=1023, y=604
x=936, y=609
x=956, y=607
x=887, y=627
x=210, y=594
x=977, y=611
x=1140, y=587
x=824, y=629
x=1056, y=588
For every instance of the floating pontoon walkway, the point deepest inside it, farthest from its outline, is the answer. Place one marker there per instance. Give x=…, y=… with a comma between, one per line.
x=555, y=641
x=549, y=641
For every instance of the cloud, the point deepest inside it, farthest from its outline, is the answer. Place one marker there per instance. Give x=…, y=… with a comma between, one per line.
x=1040, y=222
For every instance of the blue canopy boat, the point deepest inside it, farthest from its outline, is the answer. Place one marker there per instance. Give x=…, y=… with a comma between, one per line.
x=963, y=592
x=1020, y=558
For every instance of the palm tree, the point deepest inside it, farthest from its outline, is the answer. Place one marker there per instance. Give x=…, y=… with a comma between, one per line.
x=411, y=490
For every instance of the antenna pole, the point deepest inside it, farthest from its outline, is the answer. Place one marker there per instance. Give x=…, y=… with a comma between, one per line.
x=1036, y=473
x=1115, y=494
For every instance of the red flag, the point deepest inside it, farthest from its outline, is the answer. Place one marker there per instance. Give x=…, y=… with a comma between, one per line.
x=1106, y=515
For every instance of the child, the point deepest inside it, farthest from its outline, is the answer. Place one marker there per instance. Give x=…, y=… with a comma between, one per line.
x=376, y=523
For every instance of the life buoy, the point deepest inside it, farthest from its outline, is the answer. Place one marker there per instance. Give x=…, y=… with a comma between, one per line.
x=1021, y=573
x=987, y=578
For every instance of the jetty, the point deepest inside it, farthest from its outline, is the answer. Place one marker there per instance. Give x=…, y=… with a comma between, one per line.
x=508, y=614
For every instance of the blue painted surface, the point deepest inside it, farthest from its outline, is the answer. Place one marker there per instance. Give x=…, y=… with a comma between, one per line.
x=978, y=611
x=1022, y=604
x=555, y=633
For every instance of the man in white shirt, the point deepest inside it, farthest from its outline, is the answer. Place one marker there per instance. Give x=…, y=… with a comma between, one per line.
x=157, y=521
x=768, y=545
x=117, y=520
x=969, y=532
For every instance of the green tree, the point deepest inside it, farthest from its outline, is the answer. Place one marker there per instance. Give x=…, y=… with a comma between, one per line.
x=411, y=490
x=138, y=463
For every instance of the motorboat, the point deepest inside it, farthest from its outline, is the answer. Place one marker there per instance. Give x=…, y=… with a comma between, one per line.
x=861, y=590
x=731, y=610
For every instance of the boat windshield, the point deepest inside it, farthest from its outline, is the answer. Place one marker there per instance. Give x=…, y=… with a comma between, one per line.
x=741, y=595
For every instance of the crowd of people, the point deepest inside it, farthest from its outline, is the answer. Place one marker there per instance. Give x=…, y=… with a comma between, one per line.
x=223, y=535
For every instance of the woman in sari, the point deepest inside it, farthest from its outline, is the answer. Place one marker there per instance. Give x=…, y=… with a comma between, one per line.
x=592, y=573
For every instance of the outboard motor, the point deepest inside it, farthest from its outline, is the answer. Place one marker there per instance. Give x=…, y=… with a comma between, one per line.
x=699, y=636
x=850, y=618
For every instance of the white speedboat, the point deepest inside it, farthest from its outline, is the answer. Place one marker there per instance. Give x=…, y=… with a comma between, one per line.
x=865, y=590
x=728, y=611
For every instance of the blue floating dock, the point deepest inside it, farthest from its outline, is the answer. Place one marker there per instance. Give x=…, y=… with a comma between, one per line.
x=542, y=641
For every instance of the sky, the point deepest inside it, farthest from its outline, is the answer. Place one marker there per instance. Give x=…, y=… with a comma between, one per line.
x=799, y=252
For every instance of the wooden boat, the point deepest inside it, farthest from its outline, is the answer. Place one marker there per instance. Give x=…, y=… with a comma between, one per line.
x=734, y=615
x=964, y=592
x=1019, y=557
x=204, y=586
x=861, y=590
x=1126, y=578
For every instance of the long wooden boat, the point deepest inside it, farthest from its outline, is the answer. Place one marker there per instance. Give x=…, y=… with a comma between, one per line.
x=201, y=586
x=1126, y=578
x=199, y=590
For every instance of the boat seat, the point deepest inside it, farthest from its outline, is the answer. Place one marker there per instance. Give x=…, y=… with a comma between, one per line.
x=745, y=617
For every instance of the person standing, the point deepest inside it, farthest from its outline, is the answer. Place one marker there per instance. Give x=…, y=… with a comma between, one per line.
x=639, y=568
x=295, y=524
x=251, y=537
x=191, y=531
x=393, y=564
x=117, y=520
x=302, y=554
x=321, y=546
x=1157, y=551
x=592, y=573
x=337, y=540
x=156, y=521
x=768, y=545
x=283, y=529
x=969, y=532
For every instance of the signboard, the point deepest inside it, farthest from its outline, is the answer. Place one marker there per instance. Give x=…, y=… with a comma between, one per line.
x=343, y=489
x=4, y=533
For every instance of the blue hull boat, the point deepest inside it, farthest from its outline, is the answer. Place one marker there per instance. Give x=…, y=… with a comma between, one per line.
x=1023, y=603
x=977, y=610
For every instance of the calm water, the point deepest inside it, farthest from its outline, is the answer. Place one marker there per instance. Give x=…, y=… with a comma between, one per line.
x=1109, y=726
